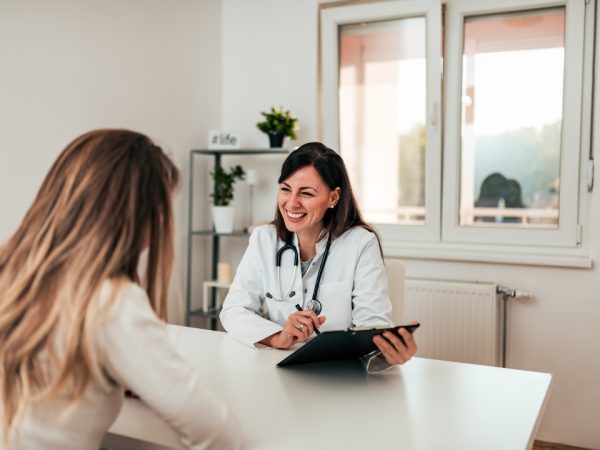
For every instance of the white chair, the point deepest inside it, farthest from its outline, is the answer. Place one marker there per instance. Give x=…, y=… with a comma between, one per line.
x=395, y=275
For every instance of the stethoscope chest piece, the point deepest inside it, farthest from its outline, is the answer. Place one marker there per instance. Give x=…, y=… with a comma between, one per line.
x=315, y=305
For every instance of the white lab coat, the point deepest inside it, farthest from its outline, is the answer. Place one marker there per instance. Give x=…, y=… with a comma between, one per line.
x=353, y=289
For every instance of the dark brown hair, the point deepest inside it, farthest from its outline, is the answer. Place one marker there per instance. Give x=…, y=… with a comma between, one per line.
x=331, y=168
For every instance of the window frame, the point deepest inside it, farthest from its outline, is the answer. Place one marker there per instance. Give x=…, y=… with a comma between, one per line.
x=442, y=238
x=567, y=234
x=431, y=10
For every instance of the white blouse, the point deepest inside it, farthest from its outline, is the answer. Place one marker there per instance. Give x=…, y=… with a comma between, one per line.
x=135, y=353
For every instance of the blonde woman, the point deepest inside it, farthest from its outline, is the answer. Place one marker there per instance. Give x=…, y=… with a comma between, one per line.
x=76, y=327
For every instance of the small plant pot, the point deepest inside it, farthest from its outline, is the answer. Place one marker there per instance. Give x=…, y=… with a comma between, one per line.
x=276, y=140
x=223, y=218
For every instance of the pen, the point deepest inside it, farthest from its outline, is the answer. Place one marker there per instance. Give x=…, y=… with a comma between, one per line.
x=299, y=308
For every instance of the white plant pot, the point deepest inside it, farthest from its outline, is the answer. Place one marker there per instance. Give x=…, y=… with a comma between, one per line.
x=223, y=218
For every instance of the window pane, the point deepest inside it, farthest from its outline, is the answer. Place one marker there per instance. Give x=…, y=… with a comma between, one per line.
x=512, y=94
x=382, y=99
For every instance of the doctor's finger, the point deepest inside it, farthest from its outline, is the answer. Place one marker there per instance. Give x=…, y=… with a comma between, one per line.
x=387, y=350
x=310, y=314
x=301, y=321
x=305, y=324
x=409, y=341
x=300, y=324
x=399, y=344
x=292, y=330
x=391, y=354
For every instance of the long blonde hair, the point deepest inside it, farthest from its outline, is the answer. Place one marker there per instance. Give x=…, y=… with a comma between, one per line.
x=106, y=198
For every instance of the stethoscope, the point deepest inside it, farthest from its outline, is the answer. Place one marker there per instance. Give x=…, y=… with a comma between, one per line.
x=314, y=303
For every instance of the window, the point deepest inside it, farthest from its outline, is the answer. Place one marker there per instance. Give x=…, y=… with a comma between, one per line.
x=382, y=99
x=512, y=85
x=516, y=117
x=381, y=92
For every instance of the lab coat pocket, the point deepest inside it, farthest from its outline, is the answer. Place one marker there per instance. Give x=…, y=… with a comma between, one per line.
x=336, y=300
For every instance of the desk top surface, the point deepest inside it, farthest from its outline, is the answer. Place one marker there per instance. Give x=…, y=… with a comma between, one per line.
x=423, y=405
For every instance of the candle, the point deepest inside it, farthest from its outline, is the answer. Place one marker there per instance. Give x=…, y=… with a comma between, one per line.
x=224, y=272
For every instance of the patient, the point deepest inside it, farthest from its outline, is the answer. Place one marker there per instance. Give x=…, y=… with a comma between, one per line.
x=77, y=327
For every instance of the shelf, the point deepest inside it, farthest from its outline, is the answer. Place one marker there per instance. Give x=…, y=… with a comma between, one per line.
x=206, y=286
x=217, y=284
x=245, y=151
x=210, y=291
x=214, y=233
x=211, y=314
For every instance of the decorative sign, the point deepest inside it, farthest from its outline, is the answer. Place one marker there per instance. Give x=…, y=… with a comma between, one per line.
x=223, y=140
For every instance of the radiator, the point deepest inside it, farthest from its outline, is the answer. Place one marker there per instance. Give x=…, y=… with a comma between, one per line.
x=460, y=321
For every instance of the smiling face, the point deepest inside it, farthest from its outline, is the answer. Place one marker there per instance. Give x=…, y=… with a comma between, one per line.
x=302, y=200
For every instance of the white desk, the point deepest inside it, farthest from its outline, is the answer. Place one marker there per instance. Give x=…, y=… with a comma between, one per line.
x=424, y=405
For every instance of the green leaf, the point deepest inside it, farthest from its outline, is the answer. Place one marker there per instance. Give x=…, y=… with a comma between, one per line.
x=278, y=121
x=224, y=181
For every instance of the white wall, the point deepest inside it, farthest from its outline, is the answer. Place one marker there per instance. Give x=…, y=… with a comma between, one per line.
x=270, y=57
x=70, y=66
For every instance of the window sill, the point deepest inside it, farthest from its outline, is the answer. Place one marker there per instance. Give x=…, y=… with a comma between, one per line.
x=528, y=256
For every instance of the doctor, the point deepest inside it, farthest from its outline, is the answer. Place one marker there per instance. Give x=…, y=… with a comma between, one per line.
x=317, y=266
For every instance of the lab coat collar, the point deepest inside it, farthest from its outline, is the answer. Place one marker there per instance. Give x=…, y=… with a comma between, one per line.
x=321, y=243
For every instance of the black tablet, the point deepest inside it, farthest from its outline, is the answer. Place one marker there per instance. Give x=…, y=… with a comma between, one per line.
x=338, y=345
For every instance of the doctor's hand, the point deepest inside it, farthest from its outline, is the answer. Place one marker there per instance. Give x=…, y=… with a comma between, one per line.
x=393, y=349
x=299, y=326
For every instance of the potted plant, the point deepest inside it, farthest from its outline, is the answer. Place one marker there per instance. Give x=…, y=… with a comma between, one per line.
x=278, y=124
x=223, y=194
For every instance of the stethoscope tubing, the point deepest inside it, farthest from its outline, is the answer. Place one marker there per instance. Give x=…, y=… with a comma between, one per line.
x=290, y=293
x=280, y=252
x=318, y=282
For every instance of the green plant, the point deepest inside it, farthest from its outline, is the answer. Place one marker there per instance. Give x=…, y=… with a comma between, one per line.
x=279, y=121
x=224, y=181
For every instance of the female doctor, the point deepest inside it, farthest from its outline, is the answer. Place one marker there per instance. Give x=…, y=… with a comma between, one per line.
x=317, y=266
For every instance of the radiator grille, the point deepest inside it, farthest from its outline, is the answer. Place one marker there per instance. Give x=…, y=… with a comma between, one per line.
x=460, y=321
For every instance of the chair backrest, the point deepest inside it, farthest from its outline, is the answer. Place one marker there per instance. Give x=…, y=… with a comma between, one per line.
x=395, y=275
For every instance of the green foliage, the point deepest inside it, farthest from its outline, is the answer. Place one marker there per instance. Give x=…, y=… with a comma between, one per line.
x=278, y=122
x=411, y=170
x=224, y=182
x=529, y=155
